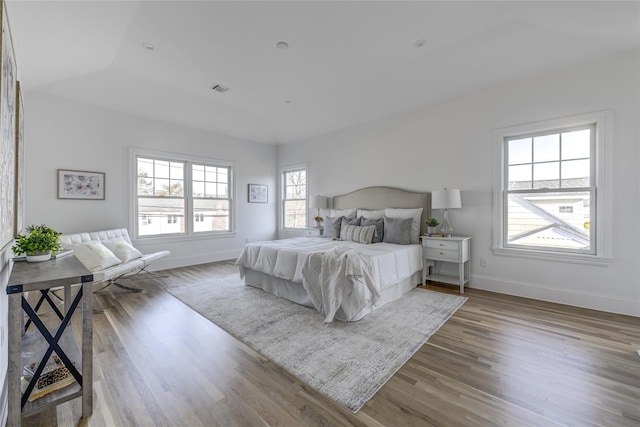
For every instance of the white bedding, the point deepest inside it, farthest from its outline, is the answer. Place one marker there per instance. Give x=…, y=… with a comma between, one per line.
x=330, y=269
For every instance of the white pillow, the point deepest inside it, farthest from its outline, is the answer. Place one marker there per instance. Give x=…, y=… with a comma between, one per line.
x=414, y=214
x=94, y=255
x=122, y=249
x=347, y=213
x=324, y=212
x=371, y=214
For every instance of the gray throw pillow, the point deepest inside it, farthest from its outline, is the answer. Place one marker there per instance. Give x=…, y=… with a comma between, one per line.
x=379, y=223
x=332, y=227
x=350, y=221
x=397, y=230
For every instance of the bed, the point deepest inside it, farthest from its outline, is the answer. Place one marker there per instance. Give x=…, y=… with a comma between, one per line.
x=344, y=279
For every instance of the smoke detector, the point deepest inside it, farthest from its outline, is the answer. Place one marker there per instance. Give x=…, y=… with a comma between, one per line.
x=219, y=88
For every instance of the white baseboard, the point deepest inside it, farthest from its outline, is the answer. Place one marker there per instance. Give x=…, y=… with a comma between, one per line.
x=185, y=261
x=608, y=303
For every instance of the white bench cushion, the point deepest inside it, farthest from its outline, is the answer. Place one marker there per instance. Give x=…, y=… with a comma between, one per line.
x=153, y=257
x=118, y=270
x=117, y=234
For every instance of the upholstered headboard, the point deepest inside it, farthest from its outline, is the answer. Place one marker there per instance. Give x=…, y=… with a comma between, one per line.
x=386, y=197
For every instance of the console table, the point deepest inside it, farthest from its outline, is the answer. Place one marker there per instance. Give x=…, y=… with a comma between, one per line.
x=37, y=344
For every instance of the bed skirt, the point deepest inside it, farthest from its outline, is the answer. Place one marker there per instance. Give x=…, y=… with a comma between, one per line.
x=356, y=306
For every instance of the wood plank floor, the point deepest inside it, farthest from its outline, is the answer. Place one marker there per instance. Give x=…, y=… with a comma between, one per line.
x=500, y=360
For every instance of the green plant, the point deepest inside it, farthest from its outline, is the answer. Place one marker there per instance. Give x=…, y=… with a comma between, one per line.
x=432, y=222
x=40, y=239
x=318, y=218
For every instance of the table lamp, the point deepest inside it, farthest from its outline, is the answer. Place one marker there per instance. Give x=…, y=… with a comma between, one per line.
x=318, y=202
x=446, y=199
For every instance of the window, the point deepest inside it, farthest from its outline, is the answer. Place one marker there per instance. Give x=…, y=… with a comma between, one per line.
x=294, y=204
x=548, y=193
x=211, y=201
x=178, y=188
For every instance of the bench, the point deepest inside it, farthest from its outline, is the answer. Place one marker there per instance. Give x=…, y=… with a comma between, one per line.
x=129, y=260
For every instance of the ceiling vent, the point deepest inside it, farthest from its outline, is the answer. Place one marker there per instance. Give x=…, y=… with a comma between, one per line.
x=219, y=88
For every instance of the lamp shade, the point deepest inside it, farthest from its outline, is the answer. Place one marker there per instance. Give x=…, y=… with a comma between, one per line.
x=317, y=202
x=445, y=199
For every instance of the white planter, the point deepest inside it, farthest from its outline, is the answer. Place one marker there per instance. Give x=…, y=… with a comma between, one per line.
x=40, y=257
x=432, y=230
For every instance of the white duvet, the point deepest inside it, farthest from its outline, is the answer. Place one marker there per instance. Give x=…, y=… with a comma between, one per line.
x=329, y=269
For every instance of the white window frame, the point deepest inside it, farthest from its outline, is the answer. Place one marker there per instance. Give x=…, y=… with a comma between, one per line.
x=189, y=233
x=603, y=142
x=283, y=170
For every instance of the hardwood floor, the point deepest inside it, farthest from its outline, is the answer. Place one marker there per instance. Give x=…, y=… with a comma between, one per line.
x=500, y=360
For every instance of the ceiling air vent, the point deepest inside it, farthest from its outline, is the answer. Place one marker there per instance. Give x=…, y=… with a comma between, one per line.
x=219, y=88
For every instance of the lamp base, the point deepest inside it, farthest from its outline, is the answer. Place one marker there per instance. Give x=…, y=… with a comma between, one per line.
x=446, y=229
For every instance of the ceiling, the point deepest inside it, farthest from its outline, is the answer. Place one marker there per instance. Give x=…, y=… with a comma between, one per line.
x=348, y=62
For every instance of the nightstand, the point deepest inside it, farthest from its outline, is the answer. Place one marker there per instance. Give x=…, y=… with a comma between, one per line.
x=311, y=232
x=454, y=250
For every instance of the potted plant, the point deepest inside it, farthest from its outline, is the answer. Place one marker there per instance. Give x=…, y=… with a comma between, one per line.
x=432, y=225
x=39, y=245
x=318, y=219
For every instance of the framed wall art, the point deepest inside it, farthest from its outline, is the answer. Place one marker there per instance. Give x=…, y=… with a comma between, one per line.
x=80, y=185
x=258, y=193
x=7, y=134
x=19, y=172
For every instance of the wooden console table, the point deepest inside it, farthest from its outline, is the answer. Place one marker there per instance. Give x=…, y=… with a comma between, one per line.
x=38, y=345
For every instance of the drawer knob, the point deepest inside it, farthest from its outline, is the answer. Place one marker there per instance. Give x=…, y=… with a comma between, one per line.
x=441, y=253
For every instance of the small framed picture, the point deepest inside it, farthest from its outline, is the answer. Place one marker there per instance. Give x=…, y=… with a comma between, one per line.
x=258, y=193
x=80, y=185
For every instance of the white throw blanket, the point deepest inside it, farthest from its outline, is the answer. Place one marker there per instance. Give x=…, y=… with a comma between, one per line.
x=328, y=277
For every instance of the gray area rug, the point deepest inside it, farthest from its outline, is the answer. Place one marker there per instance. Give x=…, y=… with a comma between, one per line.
x=347, y=362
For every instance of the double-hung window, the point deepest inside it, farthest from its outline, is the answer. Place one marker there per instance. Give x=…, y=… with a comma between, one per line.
x=177, y=195
x=548, y=191
x=294, y=200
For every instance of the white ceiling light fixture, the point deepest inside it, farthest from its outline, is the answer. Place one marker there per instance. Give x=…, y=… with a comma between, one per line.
x=219, y=88
x=148, y=46
x=419, y=43
x=282, y=45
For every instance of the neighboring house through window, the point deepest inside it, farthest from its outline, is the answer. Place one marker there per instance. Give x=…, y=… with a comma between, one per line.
x=549, y=191
x=173, y=188
x=294, y=197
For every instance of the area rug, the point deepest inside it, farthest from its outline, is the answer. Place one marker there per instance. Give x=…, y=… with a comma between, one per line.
x=347, y=362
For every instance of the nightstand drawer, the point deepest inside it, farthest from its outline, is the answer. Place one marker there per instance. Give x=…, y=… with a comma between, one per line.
x=443, y=254
x=442, y=244
x=311, y=232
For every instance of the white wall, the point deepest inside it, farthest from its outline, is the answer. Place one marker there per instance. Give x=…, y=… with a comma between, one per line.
x=450, y=145
x=61, y=134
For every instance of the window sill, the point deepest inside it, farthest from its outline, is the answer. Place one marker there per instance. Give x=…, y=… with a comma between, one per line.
x=182, y=237
x=553, y=256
